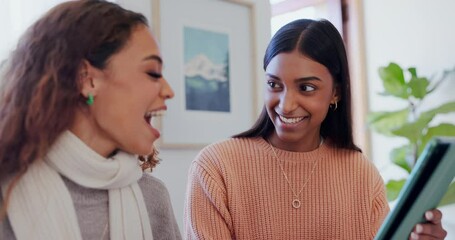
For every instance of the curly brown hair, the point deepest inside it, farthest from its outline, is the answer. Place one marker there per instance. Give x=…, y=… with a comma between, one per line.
x=41, y=89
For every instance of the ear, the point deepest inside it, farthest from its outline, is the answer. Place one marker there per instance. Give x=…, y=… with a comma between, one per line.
x=335, y=95
x=89, y=79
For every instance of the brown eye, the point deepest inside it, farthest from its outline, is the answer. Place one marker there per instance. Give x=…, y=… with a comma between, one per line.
x=273, y=84
x=307, y=88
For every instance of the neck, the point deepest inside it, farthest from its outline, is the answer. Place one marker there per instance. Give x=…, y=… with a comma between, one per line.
x=307, y=145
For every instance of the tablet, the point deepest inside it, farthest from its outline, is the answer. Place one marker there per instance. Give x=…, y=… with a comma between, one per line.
x=424, y=189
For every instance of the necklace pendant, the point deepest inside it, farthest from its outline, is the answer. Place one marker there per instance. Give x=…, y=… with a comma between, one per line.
x=296, y=203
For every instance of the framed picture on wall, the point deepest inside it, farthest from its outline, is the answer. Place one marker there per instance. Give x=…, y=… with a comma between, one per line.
x=206, y=73
x=210, y=62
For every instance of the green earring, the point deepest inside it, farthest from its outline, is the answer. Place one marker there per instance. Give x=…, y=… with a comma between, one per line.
x=90, y=99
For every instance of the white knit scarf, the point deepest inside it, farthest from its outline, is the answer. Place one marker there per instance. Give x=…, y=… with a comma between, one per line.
x=40, y=206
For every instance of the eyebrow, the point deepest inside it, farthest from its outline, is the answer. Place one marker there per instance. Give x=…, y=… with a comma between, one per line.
x=153, y=57
x=303, y=79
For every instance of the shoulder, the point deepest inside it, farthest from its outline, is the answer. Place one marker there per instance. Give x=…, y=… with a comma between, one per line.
x=227, y=152
x=222, y=158
x=229, y=146
x=349, y=155
x=354, y=160
x=153, y=188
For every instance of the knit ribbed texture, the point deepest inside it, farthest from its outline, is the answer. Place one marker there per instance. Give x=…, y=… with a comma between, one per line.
x=237, y=190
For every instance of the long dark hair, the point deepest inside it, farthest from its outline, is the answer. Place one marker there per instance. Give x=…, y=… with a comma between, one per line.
x=320, y=41
x=40, y=90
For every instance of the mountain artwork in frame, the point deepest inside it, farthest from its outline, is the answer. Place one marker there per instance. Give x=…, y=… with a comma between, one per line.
x=206, y=56
x=213, y=64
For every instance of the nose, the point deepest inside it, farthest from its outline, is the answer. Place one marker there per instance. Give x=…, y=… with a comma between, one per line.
x=287, y=102
x=166, y=90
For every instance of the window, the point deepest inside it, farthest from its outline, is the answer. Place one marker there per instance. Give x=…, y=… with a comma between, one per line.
x=15, y=17
x=284, y=11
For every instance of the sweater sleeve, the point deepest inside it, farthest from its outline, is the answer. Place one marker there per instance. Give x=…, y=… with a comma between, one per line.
x=380, y=206
x=206, y=208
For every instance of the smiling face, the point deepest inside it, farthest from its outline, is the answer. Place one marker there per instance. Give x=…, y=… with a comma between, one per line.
x=297, y=98
x=127, y=94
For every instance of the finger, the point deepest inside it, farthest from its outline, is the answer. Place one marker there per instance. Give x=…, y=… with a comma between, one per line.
x=429, y=230
x=413, y=236
x=433, y=216
x=420, y=237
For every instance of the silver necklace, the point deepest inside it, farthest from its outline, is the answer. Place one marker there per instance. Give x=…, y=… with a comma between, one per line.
x=296, y=201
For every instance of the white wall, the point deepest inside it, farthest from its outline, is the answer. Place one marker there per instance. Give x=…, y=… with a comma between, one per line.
x=173, y=170
x=415, y=33
x=15, y=17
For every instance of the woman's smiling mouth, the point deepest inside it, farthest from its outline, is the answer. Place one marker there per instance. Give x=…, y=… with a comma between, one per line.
x=290, y=120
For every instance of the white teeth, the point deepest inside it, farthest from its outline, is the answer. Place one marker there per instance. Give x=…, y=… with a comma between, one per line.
x=290, y=120
x=155, y=113
x=158, y=113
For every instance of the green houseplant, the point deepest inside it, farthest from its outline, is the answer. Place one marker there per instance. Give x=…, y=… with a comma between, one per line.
x=411, y=123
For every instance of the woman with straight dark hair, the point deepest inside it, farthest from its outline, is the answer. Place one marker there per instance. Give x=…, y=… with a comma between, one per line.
x=76, y=105
x=296, y=174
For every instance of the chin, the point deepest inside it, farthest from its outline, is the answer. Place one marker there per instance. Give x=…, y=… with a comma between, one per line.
x=288, y=138
x=141, y=148
x=146, y=145
x=145, y=151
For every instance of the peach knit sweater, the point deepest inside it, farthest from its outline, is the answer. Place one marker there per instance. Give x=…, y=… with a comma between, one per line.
x=236, y=190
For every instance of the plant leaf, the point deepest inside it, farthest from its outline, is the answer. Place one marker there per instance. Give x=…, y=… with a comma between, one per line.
x=444, y=108
x=443, y=129
x=413, y=131
x=398, y=156
x=393, y=188
x=385, y=122
x=426, y=117
x=393, y=80
x=449, y=197
x=413, y=72
x=418, y=87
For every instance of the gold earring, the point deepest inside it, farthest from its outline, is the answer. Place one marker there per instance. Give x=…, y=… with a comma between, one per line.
x=334, y=106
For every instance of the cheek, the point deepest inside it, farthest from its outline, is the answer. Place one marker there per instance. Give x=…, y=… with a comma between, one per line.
x=320, y=109
x=141, y=95
x=317, y=105
x=270, y=114
x=270, y=103
x=112, y=112
x=153, y=92
x=270, y=98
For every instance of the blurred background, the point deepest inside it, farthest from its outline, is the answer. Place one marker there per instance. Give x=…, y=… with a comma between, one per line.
x=411, y=33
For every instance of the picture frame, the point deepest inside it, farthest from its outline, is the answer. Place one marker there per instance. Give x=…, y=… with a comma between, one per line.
x=201, y=37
